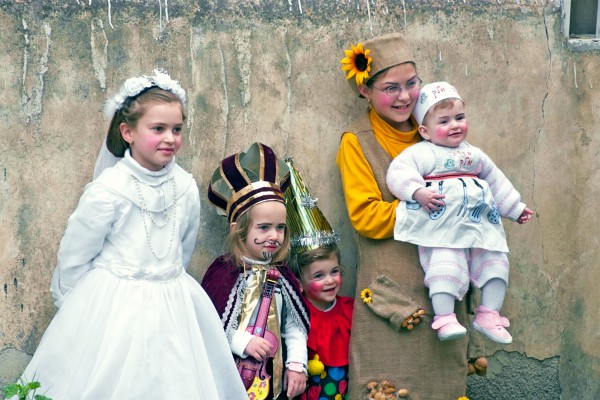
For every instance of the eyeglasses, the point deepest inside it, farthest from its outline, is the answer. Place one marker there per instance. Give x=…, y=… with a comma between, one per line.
x=395, y=90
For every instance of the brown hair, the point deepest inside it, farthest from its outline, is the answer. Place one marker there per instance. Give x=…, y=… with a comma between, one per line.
x=237, y=237
x=130, y=113
x=299, y=261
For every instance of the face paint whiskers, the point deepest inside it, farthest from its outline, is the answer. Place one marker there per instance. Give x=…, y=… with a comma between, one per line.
x=274, y=244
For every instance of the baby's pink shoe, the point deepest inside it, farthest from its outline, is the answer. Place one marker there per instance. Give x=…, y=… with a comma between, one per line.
x=491, y=324
x=448, y=327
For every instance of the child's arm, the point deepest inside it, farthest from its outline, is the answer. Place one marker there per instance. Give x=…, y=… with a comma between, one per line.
x=220, y=282
x=294, y=382
x=83, y=240
x=369, y=213
x=259, y=348
x=405, y=174
x=297, y=356
x=525, y=216
x=240, y=342
x=506, y=196
x=405, y=177
x=429, y=199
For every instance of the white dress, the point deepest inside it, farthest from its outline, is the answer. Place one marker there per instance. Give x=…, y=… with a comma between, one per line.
x=132, y=324
x=477, y=195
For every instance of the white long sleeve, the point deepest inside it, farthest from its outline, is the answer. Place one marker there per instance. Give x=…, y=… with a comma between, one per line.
x=83, y=240
x=405, y=173
x=506, y=196
x=295, y=341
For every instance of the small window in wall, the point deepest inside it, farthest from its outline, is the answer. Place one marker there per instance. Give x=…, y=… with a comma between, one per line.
x=581, y=24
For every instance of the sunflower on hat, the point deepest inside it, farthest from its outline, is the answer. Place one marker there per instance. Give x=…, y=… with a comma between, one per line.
x=357, y=62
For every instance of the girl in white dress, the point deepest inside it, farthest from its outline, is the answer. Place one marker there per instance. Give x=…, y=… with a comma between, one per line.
x=132, y=324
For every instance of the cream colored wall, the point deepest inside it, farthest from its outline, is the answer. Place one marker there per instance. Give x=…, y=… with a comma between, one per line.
x=269, y=71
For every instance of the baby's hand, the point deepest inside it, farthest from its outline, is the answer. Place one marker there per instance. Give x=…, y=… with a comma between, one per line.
x=429, y=199
x=259, y=348
x=294, y=382
x=525, y=216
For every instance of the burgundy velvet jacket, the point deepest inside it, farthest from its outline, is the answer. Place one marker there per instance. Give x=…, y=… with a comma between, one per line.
x=223, y=282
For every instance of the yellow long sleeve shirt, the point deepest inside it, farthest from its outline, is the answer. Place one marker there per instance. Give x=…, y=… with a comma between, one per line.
x=370, y=215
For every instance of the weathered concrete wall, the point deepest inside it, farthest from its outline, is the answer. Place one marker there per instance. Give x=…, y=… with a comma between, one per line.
x=269, y=71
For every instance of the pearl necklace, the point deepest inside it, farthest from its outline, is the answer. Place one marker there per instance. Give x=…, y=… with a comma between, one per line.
x=169, y=213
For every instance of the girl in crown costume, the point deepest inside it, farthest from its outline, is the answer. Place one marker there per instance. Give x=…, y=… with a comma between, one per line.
x=132, y=324
x=262, y=309
x=316, y=261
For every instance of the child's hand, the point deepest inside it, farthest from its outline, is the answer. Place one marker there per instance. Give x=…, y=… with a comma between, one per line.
x=294, y=382
x=259, y=348
x=525, y=216
x=429, y=199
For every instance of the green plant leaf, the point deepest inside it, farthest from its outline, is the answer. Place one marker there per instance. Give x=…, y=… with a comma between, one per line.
x=33, y=385
x=11, y=390
x=23, y=392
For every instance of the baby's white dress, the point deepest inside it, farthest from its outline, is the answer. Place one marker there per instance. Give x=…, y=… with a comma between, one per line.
x=477, y=194
x=132, y=324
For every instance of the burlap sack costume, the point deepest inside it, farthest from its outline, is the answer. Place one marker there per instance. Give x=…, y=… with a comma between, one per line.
x=379, y=350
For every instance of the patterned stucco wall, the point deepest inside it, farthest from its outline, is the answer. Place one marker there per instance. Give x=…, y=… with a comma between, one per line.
x=269, y=71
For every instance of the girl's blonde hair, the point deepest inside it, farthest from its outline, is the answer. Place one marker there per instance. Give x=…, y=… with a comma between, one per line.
x=236, y=240
x=133, y=109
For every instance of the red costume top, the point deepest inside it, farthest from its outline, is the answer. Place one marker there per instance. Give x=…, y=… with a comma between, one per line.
x=329, y=339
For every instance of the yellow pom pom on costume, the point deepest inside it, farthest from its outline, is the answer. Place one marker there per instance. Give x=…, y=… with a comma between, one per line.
x=315, y=367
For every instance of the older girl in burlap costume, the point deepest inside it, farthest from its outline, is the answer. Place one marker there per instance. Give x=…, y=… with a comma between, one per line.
x=386, y=342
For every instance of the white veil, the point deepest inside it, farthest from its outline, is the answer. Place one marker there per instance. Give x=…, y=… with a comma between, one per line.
x=105, y=160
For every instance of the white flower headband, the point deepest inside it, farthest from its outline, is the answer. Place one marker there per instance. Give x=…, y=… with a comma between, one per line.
x=134, y=86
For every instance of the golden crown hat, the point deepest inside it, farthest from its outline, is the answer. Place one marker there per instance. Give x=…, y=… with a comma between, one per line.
x=309, y=229
x=245, y=179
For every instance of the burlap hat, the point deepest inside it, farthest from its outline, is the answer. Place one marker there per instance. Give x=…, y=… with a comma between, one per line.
x=248, y=178
x=384, y=52
x=309, y=229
